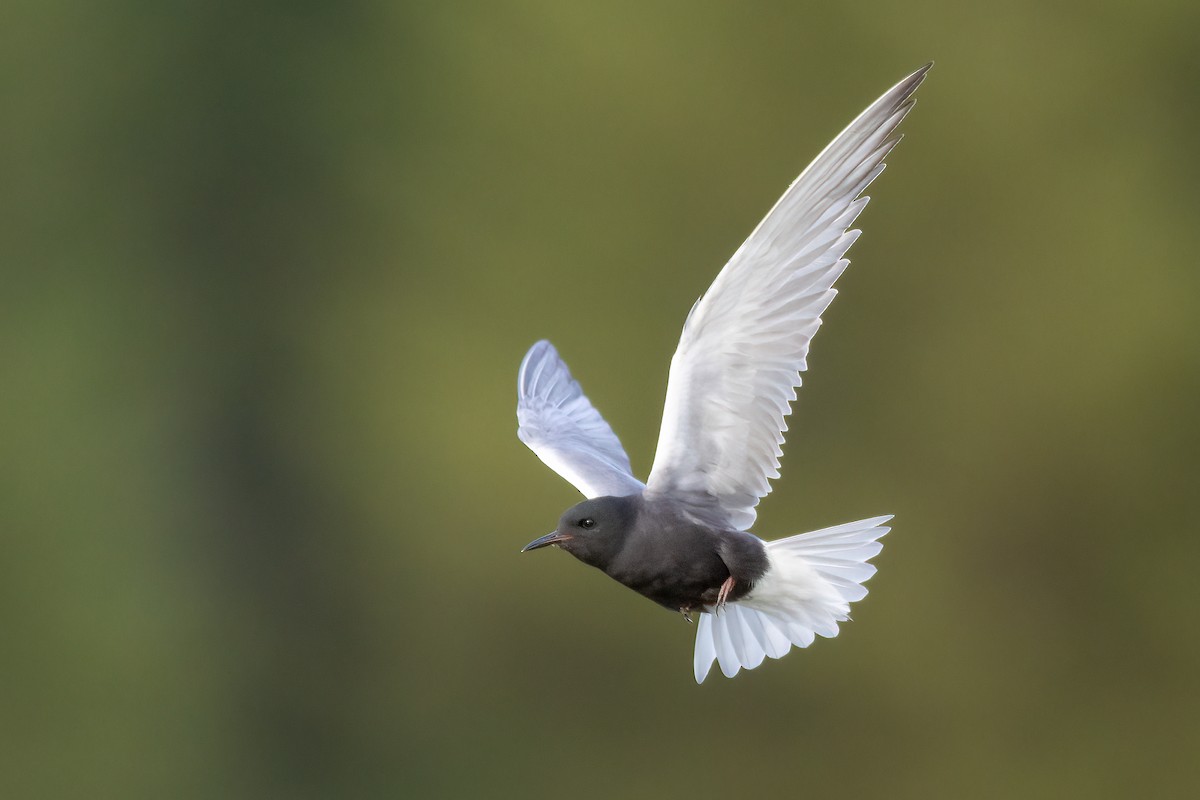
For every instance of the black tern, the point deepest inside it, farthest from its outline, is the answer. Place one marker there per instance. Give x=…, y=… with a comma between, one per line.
x=683, y=538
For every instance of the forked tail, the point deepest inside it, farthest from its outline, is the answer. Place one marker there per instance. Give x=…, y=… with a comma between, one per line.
x=806, y=591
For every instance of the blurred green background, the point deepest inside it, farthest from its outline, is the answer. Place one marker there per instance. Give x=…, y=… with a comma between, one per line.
x=269, y=270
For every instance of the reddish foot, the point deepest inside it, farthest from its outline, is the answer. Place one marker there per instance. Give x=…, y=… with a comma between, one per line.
x=726, y=590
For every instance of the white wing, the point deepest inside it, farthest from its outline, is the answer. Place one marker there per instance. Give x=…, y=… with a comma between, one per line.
x=565, y=431
x=737, y=366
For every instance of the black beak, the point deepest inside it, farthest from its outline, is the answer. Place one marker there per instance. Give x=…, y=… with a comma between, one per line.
x=554, y=537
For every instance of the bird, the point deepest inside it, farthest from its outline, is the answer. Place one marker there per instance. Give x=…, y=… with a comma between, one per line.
x=682, y=539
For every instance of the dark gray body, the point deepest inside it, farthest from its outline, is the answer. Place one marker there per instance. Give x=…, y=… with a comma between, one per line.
x=675, y=553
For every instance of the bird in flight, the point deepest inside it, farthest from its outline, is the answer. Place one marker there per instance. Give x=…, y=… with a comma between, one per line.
x=683, y=537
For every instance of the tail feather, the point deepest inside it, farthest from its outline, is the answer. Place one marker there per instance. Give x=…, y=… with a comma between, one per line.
x=806, y=591
x=745, y=644
x=706, y=648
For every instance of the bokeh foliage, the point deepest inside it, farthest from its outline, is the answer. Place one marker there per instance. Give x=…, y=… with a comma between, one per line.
x=269, y=269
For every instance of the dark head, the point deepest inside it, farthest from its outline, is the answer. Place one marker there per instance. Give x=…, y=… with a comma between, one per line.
x=593, y=531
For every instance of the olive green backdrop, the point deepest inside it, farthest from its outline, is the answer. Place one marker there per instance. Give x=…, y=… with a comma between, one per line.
x=269, y=270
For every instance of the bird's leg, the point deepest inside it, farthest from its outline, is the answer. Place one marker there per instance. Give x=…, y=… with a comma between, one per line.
x=687, y=614
x=723, y=594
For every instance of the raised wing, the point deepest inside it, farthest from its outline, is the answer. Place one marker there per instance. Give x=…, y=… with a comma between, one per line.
x=745, y=342
x=565, y=431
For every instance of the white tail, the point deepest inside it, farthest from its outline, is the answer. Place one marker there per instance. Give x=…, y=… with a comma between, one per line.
x=810, y=582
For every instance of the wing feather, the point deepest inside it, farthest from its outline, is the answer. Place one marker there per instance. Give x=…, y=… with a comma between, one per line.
x=560, y=425
x=745, y=342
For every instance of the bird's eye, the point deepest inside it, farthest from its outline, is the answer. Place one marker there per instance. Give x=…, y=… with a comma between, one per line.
x=587, y=523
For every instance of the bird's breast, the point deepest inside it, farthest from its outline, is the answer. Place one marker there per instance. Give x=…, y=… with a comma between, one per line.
x=679, y=568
